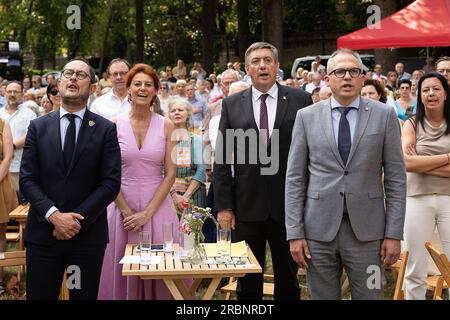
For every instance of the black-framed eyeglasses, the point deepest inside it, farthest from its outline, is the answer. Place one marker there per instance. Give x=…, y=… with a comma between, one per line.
x=340, y=73
x=81, y=75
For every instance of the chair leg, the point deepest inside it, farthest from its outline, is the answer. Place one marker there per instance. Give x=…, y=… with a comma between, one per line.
x=438, y=290
x=228, y=294
x=345, y=284
x=64, y=293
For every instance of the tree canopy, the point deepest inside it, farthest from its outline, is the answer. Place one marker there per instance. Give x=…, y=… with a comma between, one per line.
x=159, y=32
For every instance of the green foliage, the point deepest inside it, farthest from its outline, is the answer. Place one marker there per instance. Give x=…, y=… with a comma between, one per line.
x=307, y=16
x=172, y=28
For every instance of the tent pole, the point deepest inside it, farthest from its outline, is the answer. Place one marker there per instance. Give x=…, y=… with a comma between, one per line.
x=428, y=52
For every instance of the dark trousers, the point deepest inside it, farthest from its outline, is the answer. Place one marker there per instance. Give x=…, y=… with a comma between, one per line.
x=209, y=228
x=46, y=266
x=257, y=234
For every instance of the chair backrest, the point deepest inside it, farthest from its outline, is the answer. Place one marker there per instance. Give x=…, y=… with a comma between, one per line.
x=401, y=263
x=13, y=258
x=441, y=261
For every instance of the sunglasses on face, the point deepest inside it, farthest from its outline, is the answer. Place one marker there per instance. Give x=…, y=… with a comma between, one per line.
x=54, y=92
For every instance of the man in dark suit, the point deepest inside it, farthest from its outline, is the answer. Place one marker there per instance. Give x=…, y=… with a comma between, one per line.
x=257, y=123
x=70, y=173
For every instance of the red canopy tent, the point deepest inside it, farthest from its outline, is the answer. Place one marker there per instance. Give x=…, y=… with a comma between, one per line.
x=424, y=23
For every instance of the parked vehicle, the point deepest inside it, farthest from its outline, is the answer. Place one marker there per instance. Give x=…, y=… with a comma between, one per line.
x=11, y=63
x=305, y=62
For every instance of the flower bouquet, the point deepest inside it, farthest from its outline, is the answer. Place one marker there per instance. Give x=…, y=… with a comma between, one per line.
x=192, y=223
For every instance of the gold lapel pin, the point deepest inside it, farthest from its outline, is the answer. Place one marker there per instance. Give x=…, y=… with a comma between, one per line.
x=91, y=123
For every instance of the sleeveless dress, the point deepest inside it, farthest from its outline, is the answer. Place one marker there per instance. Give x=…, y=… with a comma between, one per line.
x=141, y=177
x=8, y=197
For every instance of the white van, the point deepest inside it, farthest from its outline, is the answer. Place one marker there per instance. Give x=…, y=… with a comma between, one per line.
x=305, y=62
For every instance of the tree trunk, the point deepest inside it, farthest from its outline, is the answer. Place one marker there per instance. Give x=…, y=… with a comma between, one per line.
x=272, y=23
x=243, y=27
x=23, y=32
x=209, y=11
x=77, y=41
x=105, y=52
x=386, y=57
x=139, y=30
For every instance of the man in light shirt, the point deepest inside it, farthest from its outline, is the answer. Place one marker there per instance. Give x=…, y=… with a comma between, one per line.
x=19, y=118
x=115, y=102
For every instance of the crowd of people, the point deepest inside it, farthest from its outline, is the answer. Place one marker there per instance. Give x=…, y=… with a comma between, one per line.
x=362, y=163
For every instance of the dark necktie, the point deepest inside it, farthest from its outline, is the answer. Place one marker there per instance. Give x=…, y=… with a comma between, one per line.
x=344, y=136
x=69, y=141
x=263, y=118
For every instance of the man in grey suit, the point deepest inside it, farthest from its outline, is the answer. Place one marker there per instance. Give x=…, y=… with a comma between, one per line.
x=336, y=213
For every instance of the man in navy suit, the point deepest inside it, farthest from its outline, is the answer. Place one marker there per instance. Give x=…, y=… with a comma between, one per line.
x=70, y=173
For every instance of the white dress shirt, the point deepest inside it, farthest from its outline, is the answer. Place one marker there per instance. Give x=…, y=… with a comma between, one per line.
x=18, y=122
x=110, y=106
x=352, y=116
x=64, y=123
x=271, y=104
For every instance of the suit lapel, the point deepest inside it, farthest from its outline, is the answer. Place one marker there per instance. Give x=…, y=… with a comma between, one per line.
x=248, y=107
x=327, y=125
x=86, y=130
x=363, y=118
x=54, y=130
x=282, y=103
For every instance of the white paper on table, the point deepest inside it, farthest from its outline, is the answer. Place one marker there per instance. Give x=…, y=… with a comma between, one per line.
x=137, y=260
x=247, y=265
x=2, y=256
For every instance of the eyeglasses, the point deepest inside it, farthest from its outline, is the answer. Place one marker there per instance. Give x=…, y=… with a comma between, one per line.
x=442, y=71
x=117, y=74
x=81, y=75
x=12, y=92
x=340, y=73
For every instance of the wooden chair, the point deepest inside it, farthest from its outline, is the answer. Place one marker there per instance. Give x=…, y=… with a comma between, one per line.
x=12, y=259
x=399, y=293
x=268, y=285
x=443, y=265
x=12, y=234
x=18, y=258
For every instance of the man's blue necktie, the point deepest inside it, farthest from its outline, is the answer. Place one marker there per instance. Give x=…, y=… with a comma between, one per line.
x=344, y=136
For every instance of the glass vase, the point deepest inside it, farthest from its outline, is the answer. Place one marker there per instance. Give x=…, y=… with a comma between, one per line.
x=197, y=255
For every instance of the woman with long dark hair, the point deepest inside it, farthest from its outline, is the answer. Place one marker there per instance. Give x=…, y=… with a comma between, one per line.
x=426, y=148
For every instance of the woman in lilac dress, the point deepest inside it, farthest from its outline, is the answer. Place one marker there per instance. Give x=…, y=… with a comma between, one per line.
x=143, y=202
